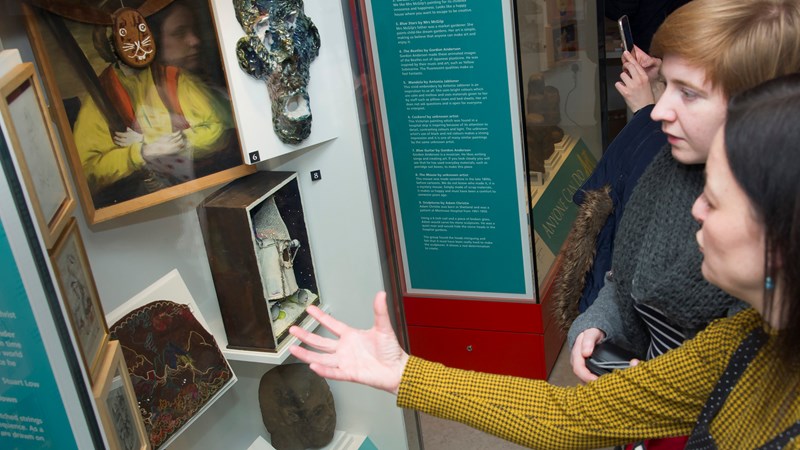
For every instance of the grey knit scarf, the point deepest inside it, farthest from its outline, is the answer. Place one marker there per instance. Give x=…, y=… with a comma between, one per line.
x=656, y=259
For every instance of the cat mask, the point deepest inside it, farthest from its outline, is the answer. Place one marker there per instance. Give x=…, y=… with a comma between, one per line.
x=133, y=40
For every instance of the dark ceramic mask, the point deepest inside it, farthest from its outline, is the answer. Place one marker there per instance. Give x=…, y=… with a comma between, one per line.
x=280, y=44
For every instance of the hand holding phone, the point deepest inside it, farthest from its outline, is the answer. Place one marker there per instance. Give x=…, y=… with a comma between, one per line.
x=625, y=32
x=607, y=357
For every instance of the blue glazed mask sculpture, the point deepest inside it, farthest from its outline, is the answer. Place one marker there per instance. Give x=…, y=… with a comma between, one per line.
x=279, y=46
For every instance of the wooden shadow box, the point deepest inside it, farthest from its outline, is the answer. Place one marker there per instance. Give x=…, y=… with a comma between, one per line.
x=260, y=256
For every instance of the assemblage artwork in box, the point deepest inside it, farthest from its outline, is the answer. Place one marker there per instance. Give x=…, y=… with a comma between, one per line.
x=260, y=257
x=277, y=251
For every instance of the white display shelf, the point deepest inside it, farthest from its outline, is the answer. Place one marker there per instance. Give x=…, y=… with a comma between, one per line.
x=273, y=358
x=341, y=441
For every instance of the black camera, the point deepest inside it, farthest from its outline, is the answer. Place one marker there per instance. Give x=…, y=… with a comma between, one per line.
x=607, y=357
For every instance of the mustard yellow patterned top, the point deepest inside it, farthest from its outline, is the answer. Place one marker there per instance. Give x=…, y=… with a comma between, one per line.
x=658, y=398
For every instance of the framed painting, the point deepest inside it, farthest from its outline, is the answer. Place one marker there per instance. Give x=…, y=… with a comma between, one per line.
x=562, y=42
x=137, y=136
x=76, y=283
x=33, y=140
x=116, y=403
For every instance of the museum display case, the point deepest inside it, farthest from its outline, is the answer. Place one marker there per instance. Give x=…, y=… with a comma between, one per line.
x=177, y=229
x=144, y=259
x=485, y=120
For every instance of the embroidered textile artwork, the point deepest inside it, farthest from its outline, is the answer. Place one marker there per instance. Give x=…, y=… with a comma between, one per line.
x=133, y=40
x=279, y=46
x=175, y=365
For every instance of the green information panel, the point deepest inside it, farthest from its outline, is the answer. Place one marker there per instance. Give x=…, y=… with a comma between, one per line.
x=32, y=415
x=449, y=93
x=554, y=212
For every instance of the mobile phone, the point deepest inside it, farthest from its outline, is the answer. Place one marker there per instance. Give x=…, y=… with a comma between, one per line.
x=625, y=32
x=607, y=357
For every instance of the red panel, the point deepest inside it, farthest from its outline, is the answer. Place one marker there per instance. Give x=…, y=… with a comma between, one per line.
x=473, y=314
x=519, y=354
x=506, y=338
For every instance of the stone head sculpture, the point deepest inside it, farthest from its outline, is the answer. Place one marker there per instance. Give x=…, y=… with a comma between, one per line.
x=279, y=46
x=297, y=407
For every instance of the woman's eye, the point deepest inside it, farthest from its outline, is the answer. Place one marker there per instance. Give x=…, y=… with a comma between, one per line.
x=689, y=94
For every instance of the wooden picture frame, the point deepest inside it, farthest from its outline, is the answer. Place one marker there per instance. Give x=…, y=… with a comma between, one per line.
x=116, y=403
x=79, y=293
x=112, y=117
x=562, y=43
x=33, y=140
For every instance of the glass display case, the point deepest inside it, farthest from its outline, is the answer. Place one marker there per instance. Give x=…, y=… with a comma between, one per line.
x=484, y=121
x=445, y=154
x=559, y=73
x=146, y=272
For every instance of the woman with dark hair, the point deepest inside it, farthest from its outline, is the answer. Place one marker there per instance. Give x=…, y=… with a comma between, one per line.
x=734, y=385
x=763, y=159
x=177, y=39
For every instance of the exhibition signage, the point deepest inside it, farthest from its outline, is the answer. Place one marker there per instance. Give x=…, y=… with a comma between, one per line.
x=32, y=414
x=555, y=211
x=446, y=76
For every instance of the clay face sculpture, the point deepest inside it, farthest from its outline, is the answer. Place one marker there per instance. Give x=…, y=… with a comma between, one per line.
x=297, y=407
x=133, y=40
x=279, y=46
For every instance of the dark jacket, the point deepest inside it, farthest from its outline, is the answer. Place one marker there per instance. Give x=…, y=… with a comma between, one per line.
x=620, y=168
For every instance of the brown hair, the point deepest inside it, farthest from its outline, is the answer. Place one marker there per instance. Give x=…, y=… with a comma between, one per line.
x=761, y=136
x=739, y=43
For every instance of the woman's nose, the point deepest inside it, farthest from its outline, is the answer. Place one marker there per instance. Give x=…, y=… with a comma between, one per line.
x=662, y=111
x=699, y=209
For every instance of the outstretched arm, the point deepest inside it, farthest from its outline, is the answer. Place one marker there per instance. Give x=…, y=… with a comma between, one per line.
x=372, y=357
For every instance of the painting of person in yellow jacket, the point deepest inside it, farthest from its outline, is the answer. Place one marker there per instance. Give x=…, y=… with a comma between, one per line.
x=171, y=124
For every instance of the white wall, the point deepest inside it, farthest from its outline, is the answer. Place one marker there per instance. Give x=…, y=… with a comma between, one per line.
x=130, y=253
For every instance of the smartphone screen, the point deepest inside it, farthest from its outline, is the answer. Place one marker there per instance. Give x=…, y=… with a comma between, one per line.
x=625, y=32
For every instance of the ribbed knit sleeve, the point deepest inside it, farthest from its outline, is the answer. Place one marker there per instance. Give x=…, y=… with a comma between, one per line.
x=661, y=397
